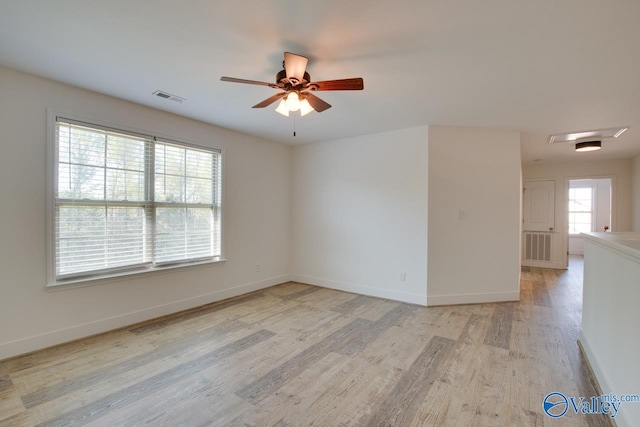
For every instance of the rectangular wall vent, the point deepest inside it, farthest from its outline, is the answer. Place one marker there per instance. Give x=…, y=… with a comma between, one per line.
x=168, y=96
x=537, y=246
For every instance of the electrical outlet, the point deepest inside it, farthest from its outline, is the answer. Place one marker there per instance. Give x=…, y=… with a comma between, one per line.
x=403, y=277
x=257, y=268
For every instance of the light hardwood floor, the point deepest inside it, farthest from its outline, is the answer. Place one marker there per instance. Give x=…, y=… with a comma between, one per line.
x=295, y=355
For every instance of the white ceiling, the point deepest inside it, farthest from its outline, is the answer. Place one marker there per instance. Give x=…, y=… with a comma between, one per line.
x=538, y=66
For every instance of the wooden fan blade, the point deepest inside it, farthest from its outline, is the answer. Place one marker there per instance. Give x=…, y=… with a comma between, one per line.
x=269, y=100
x=295, y=65
x=318, y=104
x=343, y=84
x=248, y=82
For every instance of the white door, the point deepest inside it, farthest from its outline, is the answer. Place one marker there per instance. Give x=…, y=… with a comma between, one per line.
x=539, y=206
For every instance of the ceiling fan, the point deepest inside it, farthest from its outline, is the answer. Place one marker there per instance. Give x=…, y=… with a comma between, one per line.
x=296, y=86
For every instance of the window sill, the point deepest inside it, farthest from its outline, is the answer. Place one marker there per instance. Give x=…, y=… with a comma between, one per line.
x=78, y=282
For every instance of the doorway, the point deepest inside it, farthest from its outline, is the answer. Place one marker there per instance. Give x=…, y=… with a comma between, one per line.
x=589, y=209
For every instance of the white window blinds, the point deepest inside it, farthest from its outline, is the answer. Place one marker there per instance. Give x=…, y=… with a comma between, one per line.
x=128, y=201
x=187, y=201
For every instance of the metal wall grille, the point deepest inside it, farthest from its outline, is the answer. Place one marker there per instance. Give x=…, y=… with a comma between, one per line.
x=537, y=246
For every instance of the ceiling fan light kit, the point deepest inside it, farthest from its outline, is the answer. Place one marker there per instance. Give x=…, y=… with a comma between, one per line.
x=305, y=107
x=296, y=85
x=293, y=101
x=282, y=108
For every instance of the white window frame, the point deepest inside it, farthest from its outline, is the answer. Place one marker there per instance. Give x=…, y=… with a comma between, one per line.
x=591, y=212
x=122, y=274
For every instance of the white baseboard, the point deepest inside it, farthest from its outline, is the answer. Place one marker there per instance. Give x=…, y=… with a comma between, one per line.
x=433, y=300
x=360, y=289
x=605, y=386
x=38, y=342
x=543, y=264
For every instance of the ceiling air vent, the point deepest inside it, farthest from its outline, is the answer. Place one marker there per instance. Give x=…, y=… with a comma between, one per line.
x=168, y=96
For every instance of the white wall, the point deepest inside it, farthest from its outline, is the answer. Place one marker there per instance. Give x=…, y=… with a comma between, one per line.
x=359, y=214
x=635, y=169
x=256, y=221
x=610, y=318
x=561, y=173
x=474, y=215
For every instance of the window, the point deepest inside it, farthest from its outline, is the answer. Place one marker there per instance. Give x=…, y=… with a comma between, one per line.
x=580, y=209
x=125, y=201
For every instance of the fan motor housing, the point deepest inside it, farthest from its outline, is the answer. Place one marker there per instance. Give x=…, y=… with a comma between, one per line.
x=281, y=77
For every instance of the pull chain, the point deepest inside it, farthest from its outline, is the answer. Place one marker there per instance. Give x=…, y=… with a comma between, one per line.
x=294, y=126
